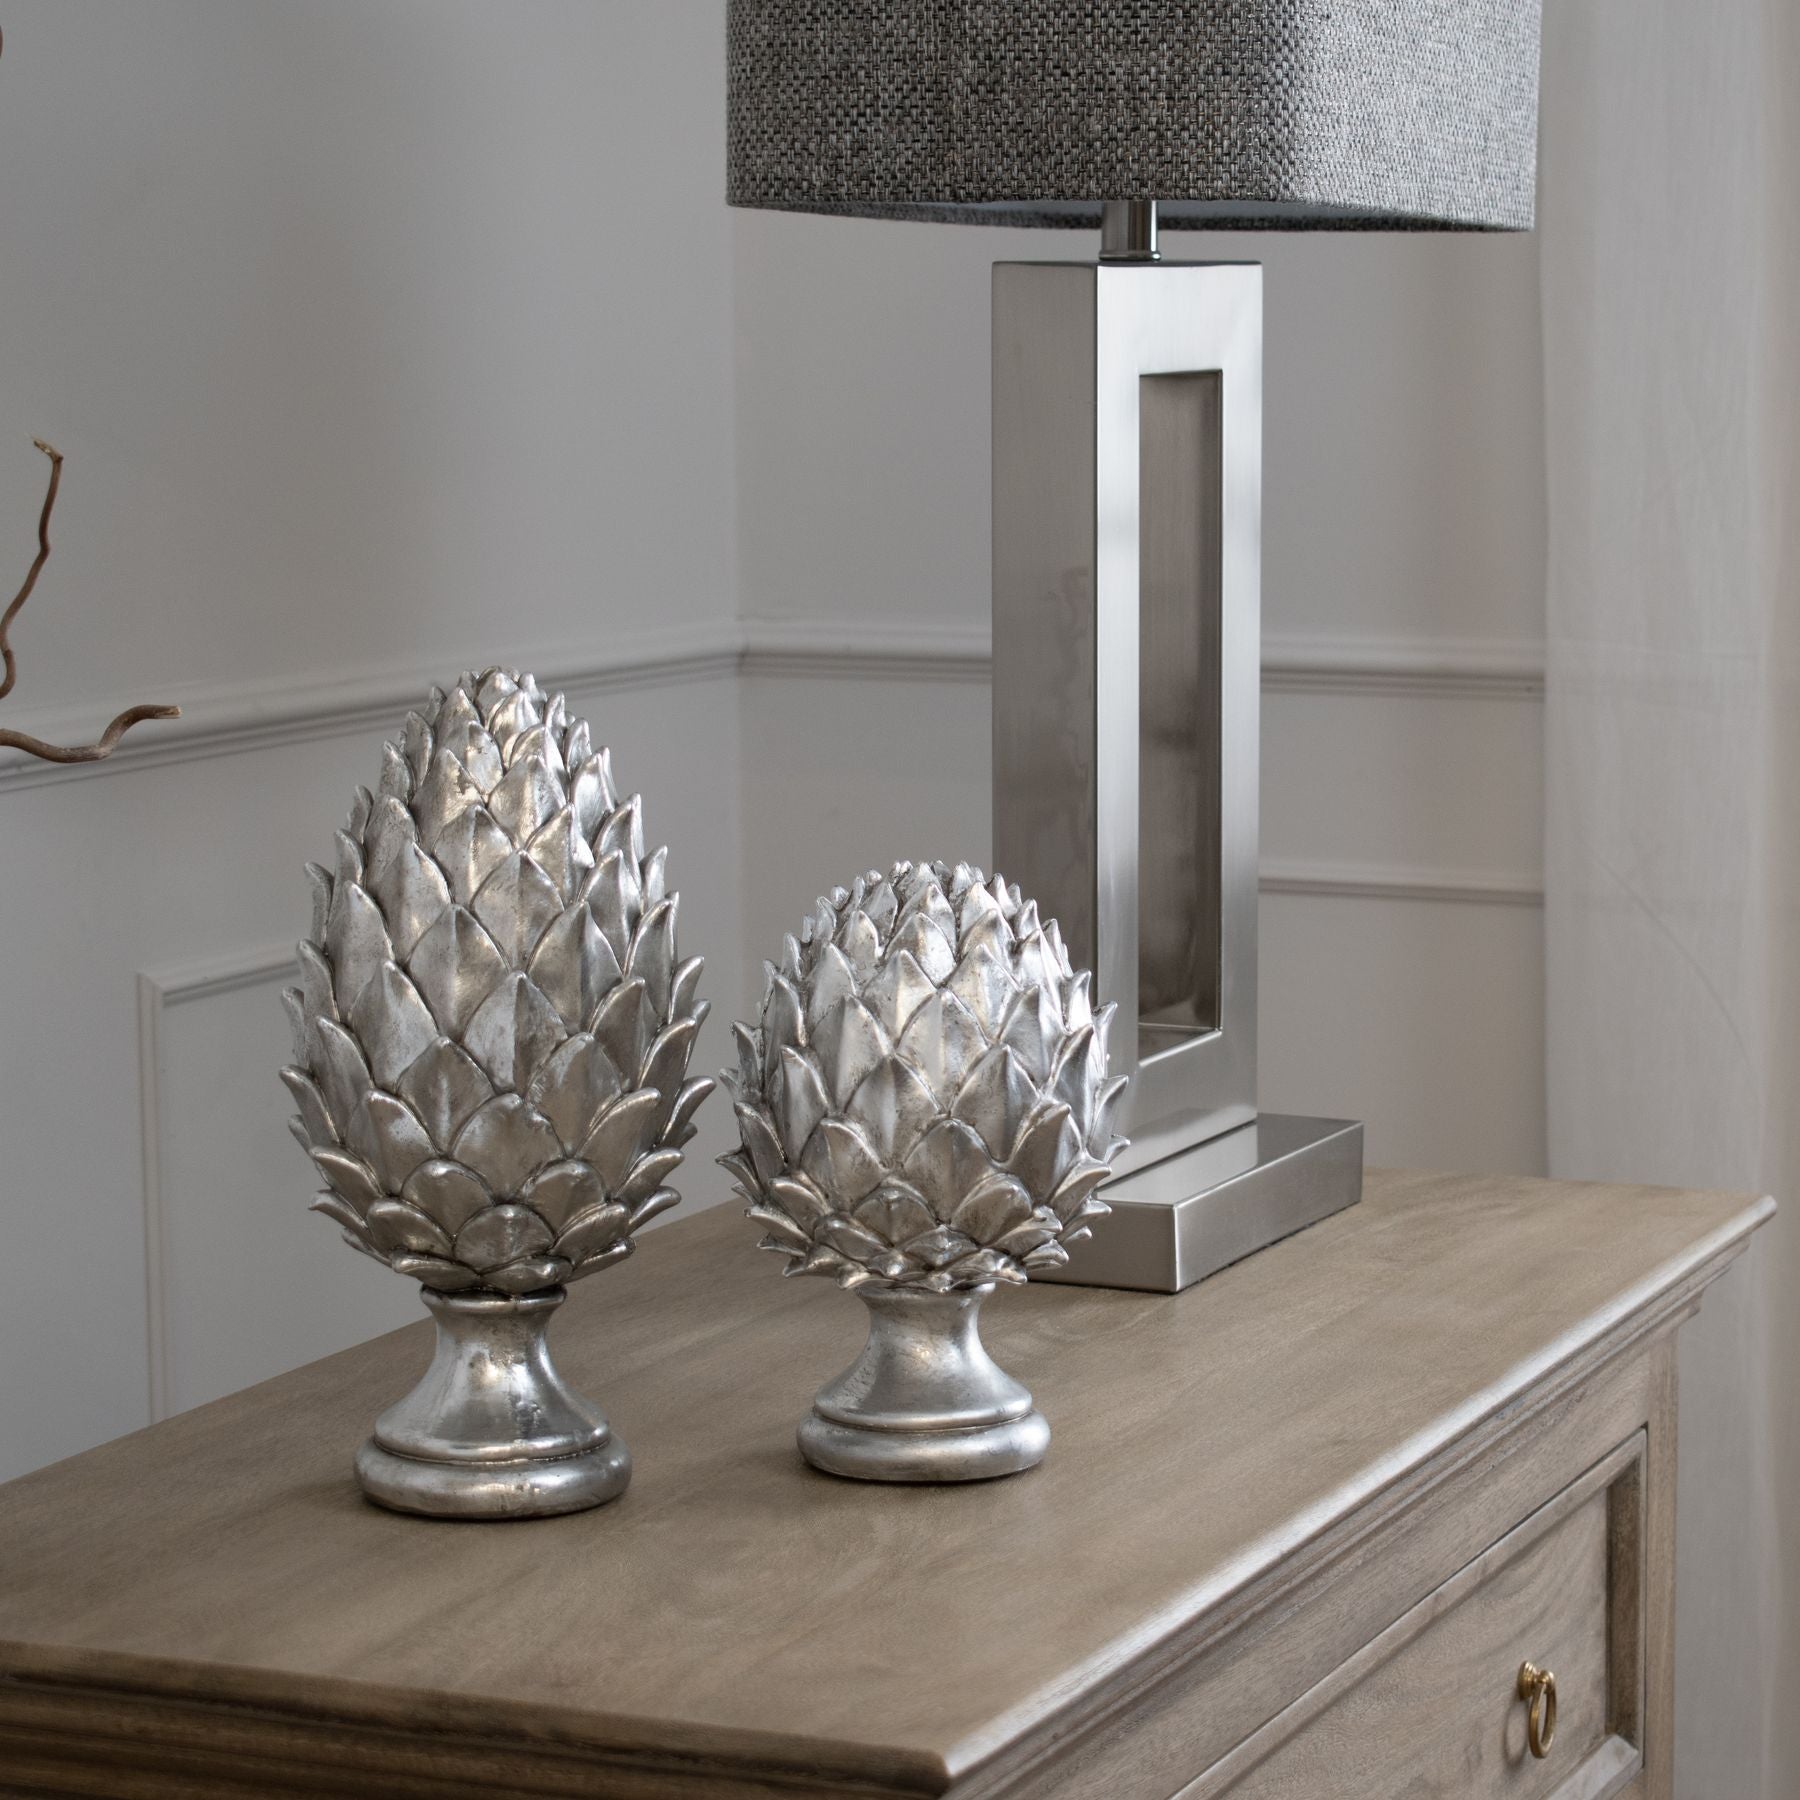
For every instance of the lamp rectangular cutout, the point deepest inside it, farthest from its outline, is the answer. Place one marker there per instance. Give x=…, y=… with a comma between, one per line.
x=1180, y=596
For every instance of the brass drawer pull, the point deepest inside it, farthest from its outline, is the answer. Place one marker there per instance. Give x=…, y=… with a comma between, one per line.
x=1537, y=1688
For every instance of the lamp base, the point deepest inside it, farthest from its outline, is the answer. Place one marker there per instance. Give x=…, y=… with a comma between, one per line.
x=1186, y=1217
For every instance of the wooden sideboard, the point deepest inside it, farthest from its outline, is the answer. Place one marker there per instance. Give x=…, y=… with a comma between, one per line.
x=1299, y=1529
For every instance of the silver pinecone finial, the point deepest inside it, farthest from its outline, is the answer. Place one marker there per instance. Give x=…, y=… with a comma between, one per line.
x=492, y=1035
x=924, y=1111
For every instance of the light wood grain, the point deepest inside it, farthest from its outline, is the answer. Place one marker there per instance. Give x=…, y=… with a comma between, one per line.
x=1430, y=1706
x=740, y=1623
x=1658, y=1779
x=1284, y=1641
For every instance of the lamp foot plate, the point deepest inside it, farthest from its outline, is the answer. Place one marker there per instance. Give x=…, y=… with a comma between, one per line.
x=1184, y=1218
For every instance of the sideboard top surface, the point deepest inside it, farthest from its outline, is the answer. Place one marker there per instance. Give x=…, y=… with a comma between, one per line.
x=736, y=1602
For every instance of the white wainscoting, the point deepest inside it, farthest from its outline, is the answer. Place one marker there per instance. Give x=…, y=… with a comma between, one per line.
x=1355, y=881
x=158, y=991
x=230, y=718
x=241, y=1282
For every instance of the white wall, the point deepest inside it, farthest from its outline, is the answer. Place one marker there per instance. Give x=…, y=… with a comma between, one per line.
x=378, y=347
x=357, y=332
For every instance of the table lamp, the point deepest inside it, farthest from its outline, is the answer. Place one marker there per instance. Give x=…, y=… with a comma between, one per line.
x=1127, y=463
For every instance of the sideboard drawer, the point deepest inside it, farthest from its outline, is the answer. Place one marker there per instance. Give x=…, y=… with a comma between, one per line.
x=1432, y=1706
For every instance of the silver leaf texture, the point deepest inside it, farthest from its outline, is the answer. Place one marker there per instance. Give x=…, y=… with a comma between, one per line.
x=492, y=1034
x=924, y=1099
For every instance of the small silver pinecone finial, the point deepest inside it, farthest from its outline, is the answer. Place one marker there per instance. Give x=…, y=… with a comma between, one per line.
x=925, y=1111
x=492, y=1035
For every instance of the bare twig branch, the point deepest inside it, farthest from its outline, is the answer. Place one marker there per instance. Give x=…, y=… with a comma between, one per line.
x=80, y=753
x=19, y=740
x=43, y=556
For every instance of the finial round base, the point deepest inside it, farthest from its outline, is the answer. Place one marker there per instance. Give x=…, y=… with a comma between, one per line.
x=492, y=1431
x=498, y=1490
x=980, y=1454
x=924, y=1401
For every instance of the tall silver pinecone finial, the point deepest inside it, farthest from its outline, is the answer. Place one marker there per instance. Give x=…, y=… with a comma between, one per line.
x=492, y=1036
x=924, y=1111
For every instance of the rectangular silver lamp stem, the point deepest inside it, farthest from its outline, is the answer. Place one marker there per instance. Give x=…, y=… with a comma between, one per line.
x=1127, y=683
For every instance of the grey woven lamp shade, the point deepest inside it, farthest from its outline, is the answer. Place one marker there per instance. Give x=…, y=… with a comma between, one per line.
x=1410, y=114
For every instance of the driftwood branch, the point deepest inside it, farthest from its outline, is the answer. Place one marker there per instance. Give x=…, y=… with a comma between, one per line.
x=85, y=753
x=42, y=557
x=19, y=740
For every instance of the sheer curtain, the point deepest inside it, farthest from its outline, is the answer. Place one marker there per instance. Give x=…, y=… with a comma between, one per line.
x=1670, y=218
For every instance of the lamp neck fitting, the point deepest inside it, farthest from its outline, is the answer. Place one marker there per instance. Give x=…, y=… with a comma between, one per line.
x=1128, y=231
